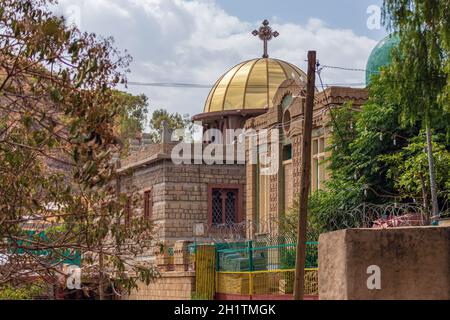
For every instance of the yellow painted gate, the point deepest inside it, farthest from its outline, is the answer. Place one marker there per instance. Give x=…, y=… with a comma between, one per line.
x=205, y=266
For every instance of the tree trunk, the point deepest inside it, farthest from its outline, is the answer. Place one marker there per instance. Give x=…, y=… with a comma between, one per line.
x=424, y=192
x=101, y=290
x=433, y=186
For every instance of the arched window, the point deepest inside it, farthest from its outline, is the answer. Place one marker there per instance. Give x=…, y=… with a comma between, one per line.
x=287, y=101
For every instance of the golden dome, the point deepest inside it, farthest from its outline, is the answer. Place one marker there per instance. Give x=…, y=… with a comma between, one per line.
x=251, y=85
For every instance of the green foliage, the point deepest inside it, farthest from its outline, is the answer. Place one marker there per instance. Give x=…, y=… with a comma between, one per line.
x=174, y=121
x=419, y=72
x=61, y=121
x=378, y=153
x=420, y=68
x=133, y=117
x=409, y=167
x=357, y=175
x=288, y=226
x=328, y=209
x=26, y=292
x=360, y=136
x=372, y=159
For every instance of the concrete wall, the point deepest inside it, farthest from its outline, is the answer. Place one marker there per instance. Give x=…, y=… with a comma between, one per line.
x=414, y=263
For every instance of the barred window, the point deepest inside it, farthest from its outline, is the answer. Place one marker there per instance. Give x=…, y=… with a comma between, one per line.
x=217, y=212
x=224, y=208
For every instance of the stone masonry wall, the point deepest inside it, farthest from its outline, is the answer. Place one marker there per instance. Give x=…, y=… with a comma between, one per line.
x=141, y=180
x=279, y=201
x=178, y=284
x=186, y=194
x=173, y=285
x=180, y=194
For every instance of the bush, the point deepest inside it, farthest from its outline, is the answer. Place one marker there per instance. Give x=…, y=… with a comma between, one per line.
x=26, y=292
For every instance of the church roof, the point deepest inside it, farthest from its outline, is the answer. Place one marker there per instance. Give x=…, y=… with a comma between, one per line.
x=251, y=85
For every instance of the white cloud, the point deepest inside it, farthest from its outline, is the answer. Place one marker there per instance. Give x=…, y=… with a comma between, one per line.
x=197, y=41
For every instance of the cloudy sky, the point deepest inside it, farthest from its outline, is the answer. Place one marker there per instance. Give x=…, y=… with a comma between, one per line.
x=196, y=41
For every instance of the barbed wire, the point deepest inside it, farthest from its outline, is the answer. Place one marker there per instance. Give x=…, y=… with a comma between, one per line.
x=365, y=215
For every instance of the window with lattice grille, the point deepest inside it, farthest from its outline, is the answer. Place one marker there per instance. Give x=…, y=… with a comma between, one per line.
x=224, y=206
x=217, y=212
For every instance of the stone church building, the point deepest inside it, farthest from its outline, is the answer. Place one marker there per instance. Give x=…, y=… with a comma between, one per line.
x=202, y=202
x=259, y=94
x=196, y=201
x=270, y=196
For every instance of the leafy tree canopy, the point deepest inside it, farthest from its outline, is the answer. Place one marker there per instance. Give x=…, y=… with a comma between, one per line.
x=379, y=154
x=59, y=111
x=174, y=121
x=376, y=158
x=420, y=70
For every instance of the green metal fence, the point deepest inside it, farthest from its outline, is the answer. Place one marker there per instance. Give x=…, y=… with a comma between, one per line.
x=259, y=255
x=258, y=267
x=251, y=256
x=33, y=238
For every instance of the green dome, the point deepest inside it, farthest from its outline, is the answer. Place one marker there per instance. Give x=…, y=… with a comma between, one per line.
x=381, y=55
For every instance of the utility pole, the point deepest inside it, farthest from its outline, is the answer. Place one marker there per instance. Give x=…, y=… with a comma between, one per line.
x=299, y=287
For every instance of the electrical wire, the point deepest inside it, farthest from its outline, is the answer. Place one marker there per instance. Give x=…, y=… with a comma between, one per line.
x=333, y=119
x=348, y=69
x=207, y=86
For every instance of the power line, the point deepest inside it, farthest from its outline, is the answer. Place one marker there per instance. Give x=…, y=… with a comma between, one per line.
x=207, y=86
x=188, y=85
x=348, y=69
x=170, y=84
x=333, y=119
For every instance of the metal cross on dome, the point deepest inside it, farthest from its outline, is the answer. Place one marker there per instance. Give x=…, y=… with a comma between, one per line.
x=266, y=34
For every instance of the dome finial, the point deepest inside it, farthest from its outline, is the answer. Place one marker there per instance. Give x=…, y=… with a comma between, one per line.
x=265, y=34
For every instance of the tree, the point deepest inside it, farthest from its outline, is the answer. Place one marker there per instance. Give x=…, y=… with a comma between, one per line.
x=420, y=68
x=377, y=152
x=132, y=119
x=408, y=168
x=174, y=121
x=356, y=173
x=369, y=148
x=58, y=116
